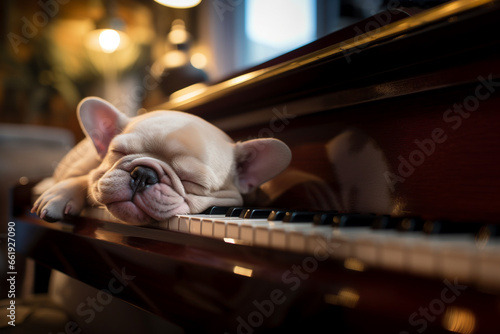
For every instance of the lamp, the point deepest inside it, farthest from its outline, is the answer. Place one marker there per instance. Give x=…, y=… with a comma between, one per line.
x=176, y=62
x=108, y=37
x=110, y=50
x=179, y=3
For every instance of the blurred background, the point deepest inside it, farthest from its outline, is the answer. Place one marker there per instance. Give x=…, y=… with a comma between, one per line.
x=135, y=53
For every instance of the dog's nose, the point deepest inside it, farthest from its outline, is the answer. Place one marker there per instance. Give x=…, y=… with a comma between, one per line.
x=141, y=178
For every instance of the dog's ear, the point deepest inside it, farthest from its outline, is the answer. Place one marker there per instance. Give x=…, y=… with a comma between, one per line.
x=259, y=160
x=100, y=121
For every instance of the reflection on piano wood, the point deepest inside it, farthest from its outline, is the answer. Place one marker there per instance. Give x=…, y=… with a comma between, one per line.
x=401, y=122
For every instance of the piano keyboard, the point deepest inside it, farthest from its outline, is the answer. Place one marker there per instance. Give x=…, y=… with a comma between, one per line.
x=467, y=252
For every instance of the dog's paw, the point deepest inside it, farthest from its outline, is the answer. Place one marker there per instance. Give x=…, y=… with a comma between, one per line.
x=64, y=198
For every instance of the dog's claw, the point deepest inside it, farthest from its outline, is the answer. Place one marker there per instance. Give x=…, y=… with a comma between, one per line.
x=47, y=217
x=65, y=198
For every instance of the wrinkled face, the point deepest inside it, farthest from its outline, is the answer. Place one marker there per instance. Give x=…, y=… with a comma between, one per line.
x=165, y=163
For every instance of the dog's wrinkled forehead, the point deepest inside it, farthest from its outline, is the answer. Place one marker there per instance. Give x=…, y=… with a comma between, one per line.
x=169, y=133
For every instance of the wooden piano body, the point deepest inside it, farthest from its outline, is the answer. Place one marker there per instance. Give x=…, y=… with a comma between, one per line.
x=402, y=120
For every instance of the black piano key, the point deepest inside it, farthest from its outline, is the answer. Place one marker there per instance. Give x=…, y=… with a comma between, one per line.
x=215, y=210
x=449, y=227
x=354, y=220
x=410, y=224
x=385, y=222
x=325, y=218
x=234, y=211
x=277, y=215
x=299, y=217
x=255, y=213
x=486, y=233
x=492, y=230
x=244, y=212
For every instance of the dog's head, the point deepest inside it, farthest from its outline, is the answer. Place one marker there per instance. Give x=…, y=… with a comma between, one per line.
x=164, y=163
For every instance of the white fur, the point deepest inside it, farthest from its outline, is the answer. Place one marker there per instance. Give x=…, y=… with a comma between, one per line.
x=197, y=166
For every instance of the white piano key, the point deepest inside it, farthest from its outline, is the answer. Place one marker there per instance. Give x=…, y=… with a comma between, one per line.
x=455, y=256
x=173, y=223
x=299, y=240
x=277, y=239
x=422, y=258
x=247, y=229
x=195, y=225
x=319, y=241
x=394, y=252
x=233, y=228
x=447, y=256
x=378, y=248
x=207, y=227
x=279, y=234
x=220, y=227
x=262, y=233
x=488, y=265
x=366, y=248
x=184, y=221
x=343, y=239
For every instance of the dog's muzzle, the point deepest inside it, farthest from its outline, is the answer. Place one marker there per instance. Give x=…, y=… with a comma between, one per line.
x=141, y=178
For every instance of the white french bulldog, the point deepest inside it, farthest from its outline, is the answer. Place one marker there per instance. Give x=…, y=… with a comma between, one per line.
x=148, y=168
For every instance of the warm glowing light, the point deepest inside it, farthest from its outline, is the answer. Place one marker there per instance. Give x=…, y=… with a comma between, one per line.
x=178, y=34
x=242, y=78
x=179, y=3
x=175, y=58
x=354, y=264
x=185, y=94
x=346, y=297
x=243, y=271
x=199, y=60
x=109, y=40
x=106, y=40
x=459, y=320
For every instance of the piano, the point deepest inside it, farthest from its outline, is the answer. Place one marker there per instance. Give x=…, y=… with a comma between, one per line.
x=387, y=219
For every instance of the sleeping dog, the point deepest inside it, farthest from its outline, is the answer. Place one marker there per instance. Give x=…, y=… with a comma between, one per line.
x=148, y=168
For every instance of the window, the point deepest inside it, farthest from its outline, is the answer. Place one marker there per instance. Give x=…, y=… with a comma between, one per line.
x=246, y=33
x=273, y=27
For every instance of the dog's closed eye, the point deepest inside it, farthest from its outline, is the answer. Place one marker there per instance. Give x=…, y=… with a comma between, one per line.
x=117, y=152
x=194, y=181
x=193, y=187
